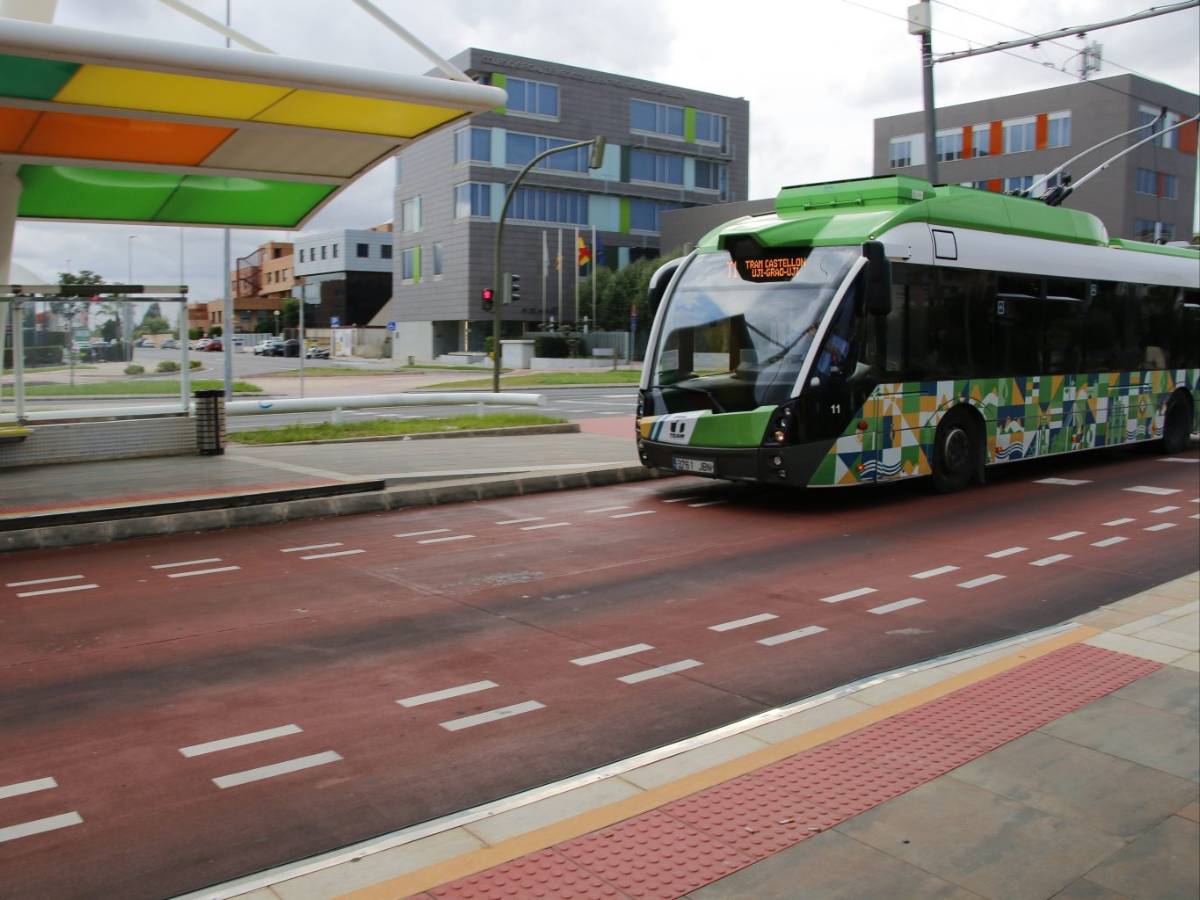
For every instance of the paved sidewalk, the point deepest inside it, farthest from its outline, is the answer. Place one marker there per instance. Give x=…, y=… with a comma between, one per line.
x=1066, y=765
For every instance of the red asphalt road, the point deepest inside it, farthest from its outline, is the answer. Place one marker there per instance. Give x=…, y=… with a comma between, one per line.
x=102, y=687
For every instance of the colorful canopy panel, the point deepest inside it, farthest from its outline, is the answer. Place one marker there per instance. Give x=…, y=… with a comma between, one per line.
x=254, y=140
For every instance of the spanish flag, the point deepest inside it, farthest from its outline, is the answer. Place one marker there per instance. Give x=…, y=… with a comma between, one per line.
x=584, y=254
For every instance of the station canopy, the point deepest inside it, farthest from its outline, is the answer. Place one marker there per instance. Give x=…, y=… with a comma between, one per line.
x=113, y=128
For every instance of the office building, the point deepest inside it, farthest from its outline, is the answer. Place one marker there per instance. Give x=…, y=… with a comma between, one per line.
x=345, y=276
x=667, y=147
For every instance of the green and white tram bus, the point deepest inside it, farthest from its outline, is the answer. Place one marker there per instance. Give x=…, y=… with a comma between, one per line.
x=880, y=329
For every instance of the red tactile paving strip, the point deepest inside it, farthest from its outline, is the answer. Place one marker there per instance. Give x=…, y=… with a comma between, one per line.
x=691, y=842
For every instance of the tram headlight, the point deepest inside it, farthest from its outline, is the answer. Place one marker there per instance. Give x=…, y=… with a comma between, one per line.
x=780, y=435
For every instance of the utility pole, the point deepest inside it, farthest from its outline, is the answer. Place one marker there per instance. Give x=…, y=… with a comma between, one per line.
x=920, y=23
x=227, y=313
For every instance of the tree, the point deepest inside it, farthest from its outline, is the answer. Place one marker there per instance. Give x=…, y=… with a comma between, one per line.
x=290, y=317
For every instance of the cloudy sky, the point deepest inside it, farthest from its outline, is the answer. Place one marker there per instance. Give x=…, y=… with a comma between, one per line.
x=816, y=74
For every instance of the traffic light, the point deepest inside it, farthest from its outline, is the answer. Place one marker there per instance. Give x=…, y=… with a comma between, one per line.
x=512, y=287
x=488, y=297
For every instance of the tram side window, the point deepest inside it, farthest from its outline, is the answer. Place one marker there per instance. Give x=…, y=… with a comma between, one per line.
x=1104, y=329
x=1186, y=350
x=963, y=333
x=885, y=334
x=1062, y=326
x=1155, y=315
x=1016, y=333
x=918, y=358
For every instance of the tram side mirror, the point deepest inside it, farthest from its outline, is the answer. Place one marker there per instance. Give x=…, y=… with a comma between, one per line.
x=659, y=281
x=879, y=279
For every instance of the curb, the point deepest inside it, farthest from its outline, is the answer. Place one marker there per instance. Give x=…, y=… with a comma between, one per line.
x=509, y=431
x=102, y=526
x=533, y=388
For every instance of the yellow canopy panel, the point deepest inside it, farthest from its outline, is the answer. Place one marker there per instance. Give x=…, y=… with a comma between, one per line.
x=114, y=128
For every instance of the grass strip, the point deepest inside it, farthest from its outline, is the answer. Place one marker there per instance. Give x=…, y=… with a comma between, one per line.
x=604, y=376
x=337, y=371
x=151, y=387
x=326, y=431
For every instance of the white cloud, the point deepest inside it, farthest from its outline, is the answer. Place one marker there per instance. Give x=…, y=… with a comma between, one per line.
x=816, y=75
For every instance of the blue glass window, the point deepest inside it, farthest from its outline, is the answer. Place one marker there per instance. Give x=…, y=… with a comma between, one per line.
x=534, y=97
x=710, y=128
x=472, y=198
x=542, y=205
x=661, y=168
x=1058, y=130
x=643, y=214
x=521, y=148
x=657, y=118
x=473, y=144
x=711, y=176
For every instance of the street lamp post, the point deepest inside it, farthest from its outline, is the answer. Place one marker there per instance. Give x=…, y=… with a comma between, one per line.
x=126, y=335
x=595, y=161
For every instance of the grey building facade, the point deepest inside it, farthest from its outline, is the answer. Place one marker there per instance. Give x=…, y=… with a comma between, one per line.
x=1004, y=143
x=667, y=147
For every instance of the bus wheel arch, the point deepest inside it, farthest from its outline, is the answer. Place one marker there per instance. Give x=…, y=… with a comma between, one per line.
x=959, y=449
x=1177, y=425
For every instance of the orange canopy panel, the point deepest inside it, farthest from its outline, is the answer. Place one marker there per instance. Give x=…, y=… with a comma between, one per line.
x=199, y=135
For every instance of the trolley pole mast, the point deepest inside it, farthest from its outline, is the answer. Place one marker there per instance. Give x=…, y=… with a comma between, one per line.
x=919, y=22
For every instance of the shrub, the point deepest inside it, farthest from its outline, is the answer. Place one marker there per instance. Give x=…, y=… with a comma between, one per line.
x=135, y=369
x=167, y=365
x=195, y=363
x=550, y=345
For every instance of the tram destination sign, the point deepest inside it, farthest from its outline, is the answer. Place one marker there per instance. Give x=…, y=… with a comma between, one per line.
x=781, y=265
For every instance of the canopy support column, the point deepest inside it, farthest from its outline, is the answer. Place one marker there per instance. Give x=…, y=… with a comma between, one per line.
x=10, y=197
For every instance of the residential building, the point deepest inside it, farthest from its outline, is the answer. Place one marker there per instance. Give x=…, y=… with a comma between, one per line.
x=1006, y=143
x=346, y=275
x=667, y=147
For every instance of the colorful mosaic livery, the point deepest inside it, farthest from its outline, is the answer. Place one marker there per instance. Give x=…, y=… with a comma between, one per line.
x=882, y=329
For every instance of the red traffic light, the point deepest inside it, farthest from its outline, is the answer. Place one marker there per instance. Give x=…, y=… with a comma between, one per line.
x=488, y=296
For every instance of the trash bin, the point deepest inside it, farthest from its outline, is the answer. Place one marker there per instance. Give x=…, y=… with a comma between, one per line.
x=210, y=422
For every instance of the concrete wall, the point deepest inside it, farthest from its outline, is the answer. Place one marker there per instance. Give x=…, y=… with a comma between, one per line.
x=91, y=441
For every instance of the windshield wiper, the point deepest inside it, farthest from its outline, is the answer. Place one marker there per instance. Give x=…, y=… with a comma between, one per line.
x=717, y=407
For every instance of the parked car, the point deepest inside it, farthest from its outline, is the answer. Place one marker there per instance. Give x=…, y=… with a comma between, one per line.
x=145, y=342
x=169, y=344
x=268, y=347
x=213, y=346
x=291, y=347
x=201, y=344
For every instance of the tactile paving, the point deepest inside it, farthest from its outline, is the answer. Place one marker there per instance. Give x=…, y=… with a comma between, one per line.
x=544, y=874
x=703, y=837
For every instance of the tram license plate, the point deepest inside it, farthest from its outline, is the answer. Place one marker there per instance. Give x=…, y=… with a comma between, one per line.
x=699, y=466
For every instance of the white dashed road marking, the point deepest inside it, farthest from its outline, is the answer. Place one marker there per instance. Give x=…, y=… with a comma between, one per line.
x=707, y=503
x=240, y=740
x=59, y=590
x=1067, y=535
x=605, y=509
x=981, y=581
x=1008, y=551
x=310, y=547
x=1124, y=520
x=283, y=768
x=505, y=712
x=680, y=499
x=640, y=512
x=848, y=595
x=1050, y=560
x=742, y=623
x=892, y=607
x=1156, y=491
x=408, y=534
x=933, y=573
x=39, y=826
x=546, y=525
x=519, y=521
x=1164, y=509
x=611, y=654
x=1181, y=459
x=188, y=562
x=791, y=635
x=1068, y=482
x=434, y=696
x=203, y=572
x=27, y=787
x=44, y=581
x=442, y=540
x=1162, y=526
x=660, y=671
x=334, y=553
x=1108, y=542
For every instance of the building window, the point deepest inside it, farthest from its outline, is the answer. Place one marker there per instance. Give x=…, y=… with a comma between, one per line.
x=542, y=205
x=323, y=249
x=519, y=149
x=472, y=198
x=1150, y=230
x=655, y=118
x=410, y=215
x=1058, y=130
x=644, y=214
x=437, y=259
x=1018, y=183
x=408, y=264
x=710, y=129
x=532, y=97
x=362, y=251
x=1168, y=139
x=473, y=145
x=899, y=153
x=1156, y=184
x=385, y=251
x=981, y=140
x=1170, y=187
x=301, y=256
x=335, y=246
x=949, y=145
x=979, y=185
x=1020, y=135
x=660, y=168
x=712, y=176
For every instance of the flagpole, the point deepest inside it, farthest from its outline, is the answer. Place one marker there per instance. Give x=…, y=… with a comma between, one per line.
x=560, y=297
x=593, y=274
x=545, y=273
x=575, y=247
